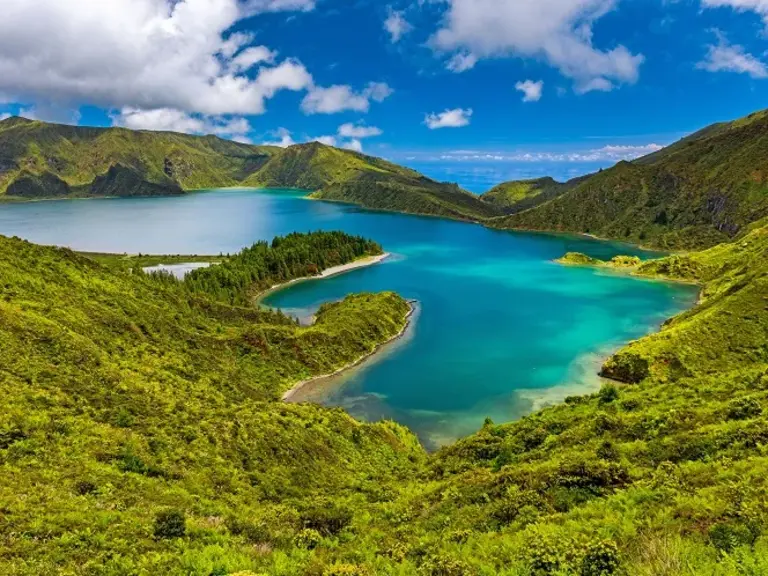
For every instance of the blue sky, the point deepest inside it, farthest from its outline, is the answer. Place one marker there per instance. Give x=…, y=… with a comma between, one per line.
x=467, y=90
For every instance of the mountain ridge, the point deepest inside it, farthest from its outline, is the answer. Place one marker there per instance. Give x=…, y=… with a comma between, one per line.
x=695, y=193
x=40, y=160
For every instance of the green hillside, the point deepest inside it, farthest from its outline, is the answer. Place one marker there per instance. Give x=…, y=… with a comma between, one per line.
x=141, y=434
x=345, y=176
x=518, y=195
x=40, y=160
x=696, y=193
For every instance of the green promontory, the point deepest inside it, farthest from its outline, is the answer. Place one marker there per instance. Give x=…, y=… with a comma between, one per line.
x=345, y=176
x=697, y=193
x=519, y=195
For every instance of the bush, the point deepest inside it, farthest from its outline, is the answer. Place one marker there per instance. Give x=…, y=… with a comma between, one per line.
x=743, y=408
x=170, y=524
x=607, y=451
x=608, y=394
x=307, y=539
x=726, y=536
x=84, y=488
x=601, y=559
x=626, y=367
x=440, y=566
x=327, y=518
x=346, y=570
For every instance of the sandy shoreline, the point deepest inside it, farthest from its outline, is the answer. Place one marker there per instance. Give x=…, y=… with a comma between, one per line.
x=412, y=306
x=327, y=273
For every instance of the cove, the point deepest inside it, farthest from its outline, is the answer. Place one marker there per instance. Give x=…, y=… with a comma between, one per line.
x=500, y=329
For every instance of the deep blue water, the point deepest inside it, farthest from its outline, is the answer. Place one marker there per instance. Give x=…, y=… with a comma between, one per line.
x=501, y=330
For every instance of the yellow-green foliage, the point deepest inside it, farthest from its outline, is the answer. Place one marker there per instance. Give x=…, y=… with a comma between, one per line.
x=697, y=193
x=78, y=155
x=127, y=396
x=39, y=160
x=519, y=195
x=728, y=327
x=579, y=259
x=140, y=435
x=345, y=176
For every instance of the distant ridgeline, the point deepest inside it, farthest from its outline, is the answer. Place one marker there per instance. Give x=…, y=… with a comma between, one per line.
x=41, y=160
x=696, y=193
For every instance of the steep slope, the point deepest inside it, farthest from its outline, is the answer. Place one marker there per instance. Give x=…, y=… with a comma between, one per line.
x=127, y=397
x=697, y=193
x=346, y=176
x=138, y=436
x=39, y=160
x=518, y=195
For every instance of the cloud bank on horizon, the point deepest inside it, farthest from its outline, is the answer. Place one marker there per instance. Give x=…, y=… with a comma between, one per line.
x=508, y=73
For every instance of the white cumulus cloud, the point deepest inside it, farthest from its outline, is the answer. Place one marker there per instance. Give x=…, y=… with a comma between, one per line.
x=354, y=145
x=177, y=121
x=396, y=25
x=455, y=118
x=350, y=130
x=726, y=57
x=758, y=6
x=327, y=140
x=142, y=54
x=461, y=62
x=340, y=98
x=557, y=31
x=531, y=90
x=284, y=138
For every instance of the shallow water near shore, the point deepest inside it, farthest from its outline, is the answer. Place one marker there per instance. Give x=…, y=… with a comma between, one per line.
x=501, y=330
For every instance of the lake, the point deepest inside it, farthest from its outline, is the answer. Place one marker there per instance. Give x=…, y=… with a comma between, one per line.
x=500, y=329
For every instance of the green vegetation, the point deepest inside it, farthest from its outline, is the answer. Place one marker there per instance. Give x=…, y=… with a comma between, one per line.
x=240, y=279
x=345, y=176
x=699, y=192
x=519, y=195
x=40, y=160
x=141, y=431
x=141, y=434
x=139, y=416
x=579, y=259
x=135, y=261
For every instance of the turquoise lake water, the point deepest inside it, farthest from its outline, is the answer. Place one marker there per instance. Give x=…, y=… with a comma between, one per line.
x=500, y=331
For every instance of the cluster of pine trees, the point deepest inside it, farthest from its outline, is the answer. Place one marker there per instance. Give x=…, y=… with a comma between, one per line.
x=240, y=278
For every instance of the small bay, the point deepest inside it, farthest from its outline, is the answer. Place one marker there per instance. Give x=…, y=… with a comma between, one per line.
x=500, y=331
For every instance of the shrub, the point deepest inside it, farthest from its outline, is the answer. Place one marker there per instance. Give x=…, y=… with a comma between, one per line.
x=608, y=393
x=327, y=518
x=346, y=570
x=607, y=451
x=601, y=559
x=743, y=408
x=307, y=539
x=726, y=536
x=170, y=524
x=84, y=487
x=441, y=566
x=626, y=367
